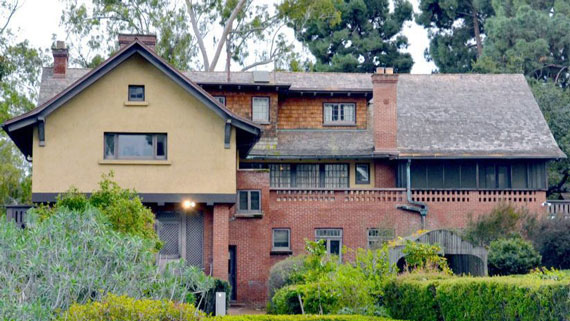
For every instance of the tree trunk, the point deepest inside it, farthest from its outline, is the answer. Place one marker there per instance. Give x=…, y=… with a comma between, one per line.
x=477, y=31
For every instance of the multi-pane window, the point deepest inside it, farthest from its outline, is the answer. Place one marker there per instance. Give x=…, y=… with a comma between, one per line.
x=260, y=109
x=249, y=201
x=135, y=146
x=339, y=113
x=221, y=99
x=332, y=238
x=281, y=239
x=362, y=172
x=136, y=93
x=309, y=175
x=378, y=236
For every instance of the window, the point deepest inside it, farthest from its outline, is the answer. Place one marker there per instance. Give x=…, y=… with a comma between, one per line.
x=332, y=238
x=281, y=240
x=362, y=174
x=378, y=236
x=135, y=146
x=136, y=93
x=339, y=114
x=309, y=175
x=249, y=201
x=221, y=99
x=260, y=109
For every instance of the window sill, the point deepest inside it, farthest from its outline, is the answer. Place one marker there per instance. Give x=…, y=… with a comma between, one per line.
x=339, y=125
x=134, y=162
x=262, y=122
x=281, y=252
x=136, y=103
x=249, y=215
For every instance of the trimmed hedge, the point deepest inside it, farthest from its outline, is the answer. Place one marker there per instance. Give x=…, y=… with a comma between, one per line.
x=306, y=317
x=467, y=298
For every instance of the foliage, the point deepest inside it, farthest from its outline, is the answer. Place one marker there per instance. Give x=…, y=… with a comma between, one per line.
x=552, y=241
x=456, y=32
x=482, y=298
x=76, y=257
x=503, y=220
x=545, y=273
x=368, y=35
x=306, y=317
x=422, y=257
x=208, y=298
x=125, y=308
x=512, y=256
x=324, y=285
x=284, y=272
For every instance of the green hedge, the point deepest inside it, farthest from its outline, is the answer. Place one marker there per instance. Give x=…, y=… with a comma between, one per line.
x=263, y=317
x=467, y=298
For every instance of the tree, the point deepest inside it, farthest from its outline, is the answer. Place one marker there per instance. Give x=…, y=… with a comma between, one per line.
x=456, y=31
x=366, y=36
x=20, y=66
x=512, y=256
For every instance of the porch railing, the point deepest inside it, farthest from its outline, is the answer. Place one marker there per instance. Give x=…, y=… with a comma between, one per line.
x=558, y=208
x=17, y=213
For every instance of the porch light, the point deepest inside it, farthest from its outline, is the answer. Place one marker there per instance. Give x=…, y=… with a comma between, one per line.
x=187, y=204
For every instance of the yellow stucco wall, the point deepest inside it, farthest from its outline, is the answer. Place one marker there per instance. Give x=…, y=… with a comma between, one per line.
x=73, y=155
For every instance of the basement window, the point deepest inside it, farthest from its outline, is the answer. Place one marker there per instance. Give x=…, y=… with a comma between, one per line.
x=339, y=114
x=135, y=146
x=136, y=93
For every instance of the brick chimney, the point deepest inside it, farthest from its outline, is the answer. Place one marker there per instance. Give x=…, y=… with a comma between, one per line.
x=384, y=95
x=60, y=56
x=126, y=39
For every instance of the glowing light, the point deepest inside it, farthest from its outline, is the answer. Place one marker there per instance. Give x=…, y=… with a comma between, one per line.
x=188, y=204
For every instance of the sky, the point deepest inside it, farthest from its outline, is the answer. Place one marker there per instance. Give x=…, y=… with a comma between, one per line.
x=38, y=20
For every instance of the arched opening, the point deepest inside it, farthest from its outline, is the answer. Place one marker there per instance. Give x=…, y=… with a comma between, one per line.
x=465, y=264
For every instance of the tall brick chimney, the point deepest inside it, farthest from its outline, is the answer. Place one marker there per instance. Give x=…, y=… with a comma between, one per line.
x=126, y=39
x=384, y=95
x=60, y=57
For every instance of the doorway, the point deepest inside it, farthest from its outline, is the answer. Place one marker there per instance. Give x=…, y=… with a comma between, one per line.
x=232, y=264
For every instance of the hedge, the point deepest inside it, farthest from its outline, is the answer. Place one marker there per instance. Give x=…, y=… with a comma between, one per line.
x=306, y=317
x=467, y=298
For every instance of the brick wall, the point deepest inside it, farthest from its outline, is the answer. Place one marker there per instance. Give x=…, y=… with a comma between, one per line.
x=385, y=114
x=385, y=174
x=220, y=241
x=303, y=112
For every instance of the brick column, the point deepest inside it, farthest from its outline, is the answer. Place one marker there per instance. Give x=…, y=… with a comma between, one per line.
x=220, y=246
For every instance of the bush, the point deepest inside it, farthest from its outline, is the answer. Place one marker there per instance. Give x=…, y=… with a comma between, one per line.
x=552, y=241
x=512, y=256
x=305, y=317
x=114, y=307
x=422, y=257
x=207, y=301
x=76, y=257
x=518, y=298
x=284, y=272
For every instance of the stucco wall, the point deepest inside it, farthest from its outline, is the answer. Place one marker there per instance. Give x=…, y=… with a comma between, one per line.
x=73, y=155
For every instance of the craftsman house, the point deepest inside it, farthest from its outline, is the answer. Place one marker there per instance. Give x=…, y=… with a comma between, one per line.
x=241, y=168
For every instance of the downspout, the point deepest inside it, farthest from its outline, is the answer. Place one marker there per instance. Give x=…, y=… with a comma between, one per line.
x=416, y=206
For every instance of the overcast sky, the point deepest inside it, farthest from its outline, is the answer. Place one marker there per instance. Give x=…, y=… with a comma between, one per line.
x=37, y=20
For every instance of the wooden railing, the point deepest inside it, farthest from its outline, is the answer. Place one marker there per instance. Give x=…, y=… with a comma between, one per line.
x=558, y=208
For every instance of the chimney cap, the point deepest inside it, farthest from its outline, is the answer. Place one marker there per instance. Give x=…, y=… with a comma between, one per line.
x=60, y=44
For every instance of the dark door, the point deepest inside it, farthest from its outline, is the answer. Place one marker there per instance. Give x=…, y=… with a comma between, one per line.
x=232, y=272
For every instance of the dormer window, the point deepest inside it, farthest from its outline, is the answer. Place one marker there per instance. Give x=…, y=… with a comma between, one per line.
x=339, y=114
x=260, y=110
x=136, y=93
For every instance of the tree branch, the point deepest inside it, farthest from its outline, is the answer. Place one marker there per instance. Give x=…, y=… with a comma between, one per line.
x=12, y=12
x=199, y=37
x=227, y=29
x=558, y=187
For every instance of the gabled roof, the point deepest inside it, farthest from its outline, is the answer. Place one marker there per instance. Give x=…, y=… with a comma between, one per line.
x=20, y=128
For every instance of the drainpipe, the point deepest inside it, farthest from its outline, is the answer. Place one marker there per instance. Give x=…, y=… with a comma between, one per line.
x=418, y=207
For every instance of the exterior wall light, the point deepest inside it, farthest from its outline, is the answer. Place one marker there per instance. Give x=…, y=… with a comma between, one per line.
x=187, y=204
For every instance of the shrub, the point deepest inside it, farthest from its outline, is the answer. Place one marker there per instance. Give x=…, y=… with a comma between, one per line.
x=552, y=241
x=114, y=307
x=512, y=256
x=76, y=257
x=206, y=301
x=305, y=317
x=284, y=272
x=466, y=298
x=422, y=257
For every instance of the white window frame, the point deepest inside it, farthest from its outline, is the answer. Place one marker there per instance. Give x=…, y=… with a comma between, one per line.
x=281, y=249
x=320, y=235
x=253, y=114
x=328, y=108
x=248, y=210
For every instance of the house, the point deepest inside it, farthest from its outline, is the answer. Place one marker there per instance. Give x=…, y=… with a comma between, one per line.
x=240, y=169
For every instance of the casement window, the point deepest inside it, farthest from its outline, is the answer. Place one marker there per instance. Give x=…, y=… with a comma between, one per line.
x=281, y=239
x=339, y=114
x=378, y=236
x=260, y=109
x=309, y=175
x=249, y=201
x=221, y=99
x=484, y=174
x=136, y=93
x=135, y=146
x=332, y=238
x=362, y=173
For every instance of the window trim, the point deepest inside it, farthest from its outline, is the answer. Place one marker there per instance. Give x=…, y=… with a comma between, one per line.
x=217, y=97
x=356, y=180
x=280, y=249
x=263, y=122
x=378, y=238
x=249, y=210
x=136, y=86
x=339, y=123
x=116, y=147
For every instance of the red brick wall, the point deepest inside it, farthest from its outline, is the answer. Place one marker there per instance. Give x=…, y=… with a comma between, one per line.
x=303, y=112
x=385, y=174
x=220, y=243
x=385, y=114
